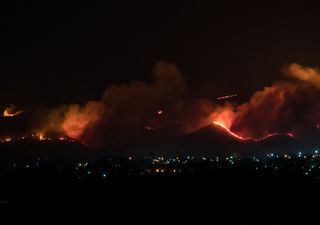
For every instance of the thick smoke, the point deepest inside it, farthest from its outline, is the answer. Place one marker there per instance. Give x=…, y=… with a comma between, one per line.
x=287, y=106
x=306, y=74
x=127, y=113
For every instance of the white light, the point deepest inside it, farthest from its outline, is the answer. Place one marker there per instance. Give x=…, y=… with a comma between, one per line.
x=104, y=175
x=316, y=151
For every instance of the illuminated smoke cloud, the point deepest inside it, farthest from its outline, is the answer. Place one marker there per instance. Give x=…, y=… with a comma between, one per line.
x=268, y=111
x=286, y=106
x=11, y=111
x=124, y=110
x=126, y=113
x=306, y=74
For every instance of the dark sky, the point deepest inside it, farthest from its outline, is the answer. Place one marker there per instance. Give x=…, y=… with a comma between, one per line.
x=70, y=52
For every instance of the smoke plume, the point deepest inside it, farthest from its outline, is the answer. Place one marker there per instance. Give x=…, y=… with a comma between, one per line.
x=289, y=105
x=126, y=113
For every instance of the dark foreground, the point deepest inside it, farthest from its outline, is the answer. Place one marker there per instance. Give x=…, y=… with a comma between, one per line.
x=228, y=196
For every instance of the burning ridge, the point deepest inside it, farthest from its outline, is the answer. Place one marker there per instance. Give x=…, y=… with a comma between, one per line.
x=125, y=113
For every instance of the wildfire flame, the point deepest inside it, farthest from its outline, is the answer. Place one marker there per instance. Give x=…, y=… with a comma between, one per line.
x=37, y=136
x=41, y=136
x=10, y=112
x=222, y=125
x=284, y=106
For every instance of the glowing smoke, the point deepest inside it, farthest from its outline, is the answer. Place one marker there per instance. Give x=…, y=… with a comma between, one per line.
x=286, y=106
x=11, y=111
x=126, y=112
x=307, y=74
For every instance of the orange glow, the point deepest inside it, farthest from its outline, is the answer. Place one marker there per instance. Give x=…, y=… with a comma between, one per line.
x=223, y=116
x=34, y=137
x=230, y=132
x=7, y=139
x=248, y=138
x=9, y=112
x=41, y=136
x=78, y=119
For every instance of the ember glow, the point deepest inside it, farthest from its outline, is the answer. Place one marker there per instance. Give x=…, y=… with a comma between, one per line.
x=249, y=138
x=35, y=137
x=41, y=136
x=11, y=112
x=222, y=125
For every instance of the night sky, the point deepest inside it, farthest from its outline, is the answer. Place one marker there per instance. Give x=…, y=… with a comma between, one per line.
x=57, y=53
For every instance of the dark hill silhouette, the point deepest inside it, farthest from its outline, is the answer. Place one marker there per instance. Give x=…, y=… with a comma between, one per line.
x=167, y=140
x=211, y=138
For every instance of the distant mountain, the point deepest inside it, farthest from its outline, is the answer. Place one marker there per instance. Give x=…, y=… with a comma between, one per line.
x=282, y=143
x=208, y=140
x=213, y=138
x=167, y=140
